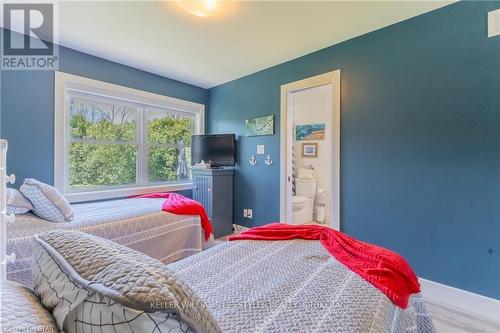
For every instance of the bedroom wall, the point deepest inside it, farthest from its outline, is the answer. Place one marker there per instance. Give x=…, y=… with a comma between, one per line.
x=420, y=141
x=27, y=106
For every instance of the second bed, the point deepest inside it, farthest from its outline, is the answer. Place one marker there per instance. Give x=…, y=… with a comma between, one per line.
x=138, y=223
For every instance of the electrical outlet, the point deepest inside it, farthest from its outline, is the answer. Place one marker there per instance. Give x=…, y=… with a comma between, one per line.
x=245, y=212
x=249, y=213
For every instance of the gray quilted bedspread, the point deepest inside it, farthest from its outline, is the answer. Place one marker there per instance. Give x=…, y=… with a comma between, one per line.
x=21, y=311
x=292, y=286
x=242, y=286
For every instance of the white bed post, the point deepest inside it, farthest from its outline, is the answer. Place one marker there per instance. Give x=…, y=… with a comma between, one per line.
x=4, y=218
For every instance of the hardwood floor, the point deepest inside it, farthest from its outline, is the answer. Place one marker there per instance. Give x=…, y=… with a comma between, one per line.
x=450, y=319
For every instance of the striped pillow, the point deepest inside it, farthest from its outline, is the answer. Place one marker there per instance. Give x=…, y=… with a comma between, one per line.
x=47, y=202
x=17, y=203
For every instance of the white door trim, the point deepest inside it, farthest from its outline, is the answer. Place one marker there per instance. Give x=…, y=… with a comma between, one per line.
x=332, y=78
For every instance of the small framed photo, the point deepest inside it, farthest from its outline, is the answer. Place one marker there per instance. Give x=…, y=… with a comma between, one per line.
x=310, y=150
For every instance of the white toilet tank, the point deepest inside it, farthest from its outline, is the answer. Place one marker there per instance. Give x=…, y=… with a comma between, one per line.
x=305, y=187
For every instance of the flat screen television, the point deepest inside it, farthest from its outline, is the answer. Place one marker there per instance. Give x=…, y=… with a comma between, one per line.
x=217, y=149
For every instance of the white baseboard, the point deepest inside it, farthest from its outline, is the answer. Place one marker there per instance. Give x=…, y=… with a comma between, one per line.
x=479, y=305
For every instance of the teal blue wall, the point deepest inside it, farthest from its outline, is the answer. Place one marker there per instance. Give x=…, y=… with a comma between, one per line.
x=420, y=141
x=27, y=106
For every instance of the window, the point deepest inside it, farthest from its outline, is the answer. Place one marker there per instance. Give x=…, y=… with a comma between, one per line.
x=113, y=141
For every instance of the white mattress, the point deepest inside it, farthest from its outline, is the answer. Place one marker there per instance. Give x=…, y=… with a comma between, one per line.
x=138, y=223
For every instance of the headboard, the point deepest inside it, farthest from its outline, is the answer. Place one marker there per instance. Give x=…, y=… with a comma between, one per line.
x=4, y=218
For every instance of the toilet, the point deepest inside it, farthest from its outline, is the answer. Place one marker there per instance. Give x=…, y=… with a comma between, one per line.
x=303, y=201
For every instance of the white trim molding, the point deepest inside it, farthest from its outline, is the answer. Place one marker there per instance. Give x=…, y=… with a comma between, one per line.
x=332, y=78
x=73, y=85
x=479, y=305
x=125, y=192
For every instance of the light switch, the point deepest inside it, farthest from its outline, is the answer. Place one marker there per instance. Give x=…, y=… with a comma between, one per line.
x=260, y=149
x=494, y=23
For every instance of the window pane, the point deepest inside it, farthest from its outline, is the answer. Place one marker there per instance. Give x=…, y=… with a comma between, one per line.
x=188, y=157
x=100, y=165
x=101, y=120
x=166, y=164
x=167, y=128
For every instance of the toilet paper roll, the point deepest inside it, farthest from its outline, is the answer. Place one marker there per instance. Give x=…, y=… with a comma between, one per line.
x=321, y=197
x=320, y=215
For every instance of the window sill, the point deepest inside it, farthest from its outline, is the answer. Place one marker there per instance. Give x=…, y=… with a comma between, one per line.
x=124, y=192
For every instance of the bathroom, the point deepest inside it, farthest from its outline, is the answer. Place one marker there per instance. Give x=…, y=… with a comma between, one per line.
x=312, y=146
x=310, y=150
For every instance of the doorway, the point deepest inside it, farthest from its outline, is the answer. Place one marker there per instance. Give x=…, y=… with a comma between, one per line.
x=310, y=150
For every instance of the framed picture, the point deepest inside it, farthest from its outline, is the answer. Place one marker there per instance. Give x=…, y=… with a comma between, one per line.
x=310, y=132
x=260, y=126
x=310, y=150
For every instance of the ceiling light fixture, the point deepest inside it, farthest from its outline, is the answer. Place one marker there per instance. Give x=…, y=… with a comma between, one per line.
x=202, y=8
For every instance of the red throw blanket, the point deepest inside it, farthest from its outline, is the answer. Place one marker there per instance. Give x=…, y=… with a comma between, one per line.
x=384, y=269
x=178, y=204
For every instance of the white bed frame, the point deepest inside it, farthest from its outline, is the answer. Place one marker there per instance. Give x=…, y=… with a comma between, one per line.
x=4, y=218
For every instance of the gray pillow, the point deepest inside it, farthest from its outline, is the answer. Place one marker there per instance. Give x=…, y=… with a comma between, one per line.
x=17, y=203
x=47, y=202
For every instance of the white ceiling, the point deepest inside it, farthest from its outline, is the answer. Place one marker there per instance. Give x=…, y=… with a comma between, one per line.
x=248, y=36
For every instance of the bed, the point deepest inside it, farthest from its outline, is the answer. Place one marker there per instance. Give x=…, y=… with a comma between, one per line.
x=138, y=223
x=292, y=286
x=243, y=286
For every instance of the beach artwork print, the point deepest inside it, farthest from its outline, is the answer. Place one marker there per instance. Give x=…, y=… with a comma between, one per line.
x=260, y=126
x=310, y=132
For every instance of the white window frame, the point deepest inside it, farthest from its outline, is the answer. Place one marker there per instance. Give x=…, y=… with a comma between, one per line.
x=75, y=84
